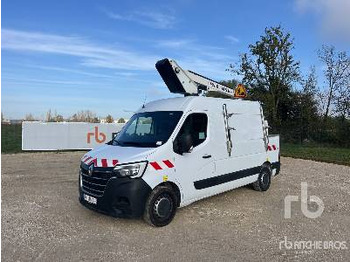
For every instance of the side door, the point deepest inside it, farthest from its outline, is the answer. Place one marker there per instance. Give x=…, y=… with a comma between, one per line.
x=197, y=163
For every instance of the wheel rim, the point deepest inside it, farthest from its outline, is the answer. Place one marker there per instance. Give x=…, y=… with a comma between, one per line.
x=163, y=207
x=265, y=179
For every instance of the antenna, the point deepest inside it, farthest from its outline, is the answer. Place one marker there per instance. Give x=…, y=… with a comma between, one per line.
x=144, y=101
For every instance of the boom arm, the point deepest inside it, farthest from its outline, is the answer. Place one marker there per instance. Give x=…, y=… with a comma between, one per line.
x=187, y=82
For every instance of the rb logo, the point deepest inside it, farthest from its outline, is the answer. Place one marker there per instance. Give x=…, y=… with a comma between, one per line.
x=303, y=203
x=99, y=137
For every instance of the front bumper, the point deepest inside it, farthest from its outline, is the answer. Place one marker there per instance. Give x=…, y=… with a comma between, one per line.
x=277, y=166
x=122, y=197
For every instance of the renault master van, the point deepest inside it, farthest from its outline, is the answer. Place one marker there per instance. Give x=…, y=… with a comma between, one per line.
x=176, y=151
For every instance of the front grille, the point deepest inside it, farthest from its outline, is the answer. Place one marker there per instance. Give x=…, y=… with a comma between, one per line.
x=96, y=183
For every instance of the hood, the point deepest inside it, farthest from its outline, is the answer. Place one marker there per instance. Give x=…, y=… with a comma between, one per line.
x=109, y=156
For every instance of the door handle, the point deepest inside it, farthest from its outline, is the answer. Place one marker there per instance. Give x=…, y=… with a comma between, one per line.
x=206, y=156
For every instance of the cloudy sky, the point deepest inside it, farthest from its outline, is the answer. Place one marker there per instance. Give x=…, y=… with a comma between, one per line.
x=99, y=55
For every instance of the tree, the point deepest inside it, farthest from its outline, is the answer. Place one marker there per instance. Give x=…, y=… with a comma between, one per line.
x=95, y=120
x=229, y=83
x=270, y=69
x=29, y=117
x=343, y=101
x=49, y=117
x=307, y=99
x=59, y=118
x=310, y=83
x=109, y=119
x=53, y=117
x=337, y=74
x=84, y=116
x=121, y=120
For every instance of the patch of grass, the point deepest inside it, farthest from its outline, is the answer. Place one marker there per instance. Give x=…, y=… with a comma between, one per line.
x=11, y=138
x=323, y=153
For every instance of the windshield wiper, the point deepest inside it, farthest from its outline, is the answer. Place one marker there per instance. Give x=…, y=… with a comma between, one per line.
x=132, y=143
x=138, y=144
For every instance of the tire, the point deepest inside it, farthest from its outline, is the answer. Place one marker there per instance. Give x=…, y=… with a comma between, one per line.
x=264, y=180
x=160, y=206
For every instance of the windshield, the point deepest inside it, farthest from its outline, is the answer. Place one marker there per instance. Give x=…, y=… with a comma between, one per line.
x=149, y=129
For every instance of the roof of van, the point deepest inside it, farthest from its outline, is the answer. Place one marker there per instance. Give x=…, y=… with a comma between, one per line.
x=195, y=102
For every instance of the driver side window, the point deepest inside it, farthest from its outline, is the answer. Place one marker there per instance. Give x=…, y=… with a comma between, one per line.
x=195, y=127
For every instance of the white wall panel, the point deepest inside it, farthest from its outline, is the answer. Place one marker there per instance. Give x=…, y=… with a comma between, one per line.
x=66, y=135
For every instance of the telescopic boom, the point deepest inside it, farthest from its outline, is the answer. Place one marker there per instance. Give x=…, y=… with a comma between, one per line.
x=187, y=82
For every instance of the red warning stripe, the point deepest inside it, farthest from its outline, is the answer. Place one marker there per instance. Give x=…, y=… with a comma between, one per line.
x=156, y=166
x=271, y=148
x=86, y=160
x=90, y=161
x=104, y=162
x=101, y=162
x=168, y=163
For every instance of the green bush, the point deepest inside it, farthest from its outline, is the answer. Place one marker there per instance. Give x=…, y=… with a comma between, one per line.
x=11, y=138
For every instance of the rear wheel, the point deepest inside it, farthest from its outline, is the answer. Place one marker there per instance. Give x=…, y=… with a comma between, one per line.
x=161, y=206
x=264, y=180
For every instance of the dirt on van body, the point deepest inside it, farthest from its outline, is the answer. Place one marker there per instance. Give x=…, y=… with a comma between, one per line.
x=43, y=220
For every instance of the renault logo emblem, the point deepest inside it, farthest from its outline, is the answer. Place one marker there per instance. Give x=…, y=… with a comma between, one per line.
x=91, y=170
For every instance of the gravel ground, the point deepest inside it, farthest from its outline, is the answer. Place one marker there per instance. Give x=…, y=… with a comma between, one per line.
x=42, y=219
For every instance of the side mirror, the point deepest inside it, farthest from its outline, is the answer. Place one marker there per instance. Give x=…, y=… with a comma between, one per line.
x=183, y=144
x=114, y=134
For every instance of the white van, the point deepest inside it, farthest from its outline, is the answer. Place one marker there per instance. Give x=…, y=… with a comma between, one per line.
x=175, y=151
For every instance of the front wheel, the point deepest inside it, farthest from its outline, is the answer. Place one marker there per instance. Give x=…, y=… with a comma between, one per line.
x=264, y=180
x=160, y=207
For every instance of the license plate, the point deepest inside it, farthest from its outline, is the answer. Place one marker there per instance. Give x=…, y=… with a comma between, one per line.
x=90, y=199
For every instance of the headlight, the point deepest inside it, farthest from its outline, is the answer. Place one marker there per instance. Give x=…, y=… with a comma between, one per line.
x=130, y=170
